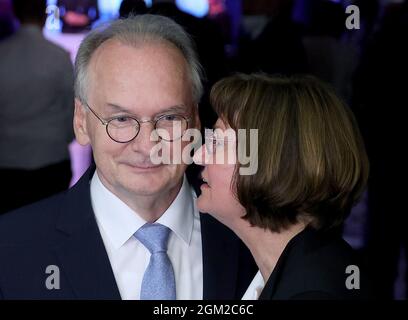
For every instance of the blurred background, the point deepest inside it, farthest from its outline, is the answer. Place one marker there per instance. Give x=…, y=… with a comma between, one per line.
x=365, y=61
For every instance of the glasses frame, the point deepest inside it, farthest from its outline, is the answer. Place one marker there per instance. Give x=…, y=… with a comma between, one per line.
x=139, y=122
x=211, y=138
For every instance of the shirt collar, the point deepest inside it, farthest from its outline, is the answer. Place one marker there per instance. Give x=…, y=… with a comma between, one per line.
x=255, y=288
x=120, y=222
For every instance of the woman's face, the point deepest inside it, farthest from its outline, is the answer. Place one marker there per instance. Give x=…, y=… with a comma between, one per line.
x=217, y=193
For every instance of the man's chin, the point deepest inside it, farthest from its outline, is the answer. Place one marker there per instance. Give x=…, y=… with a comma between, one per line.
x=149, y=181
x=145, y=183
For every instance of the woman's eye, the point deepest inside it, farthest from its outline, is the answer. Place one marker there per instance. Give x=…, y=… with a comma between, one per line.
x=218, y=143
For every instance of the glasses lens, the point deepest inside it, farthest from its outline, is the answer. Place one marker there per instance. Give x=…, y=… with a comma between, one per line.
x=171, y=127
x=210, y=141
x=123, y=129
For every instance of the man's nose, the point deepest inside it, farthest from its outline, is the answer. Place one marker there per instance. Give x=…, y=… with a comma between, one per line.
x=144, y=140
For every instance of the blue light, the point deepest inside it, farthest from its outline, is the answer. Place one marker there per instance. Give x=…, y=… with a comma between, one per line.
x=109, y=7
x=197, y=8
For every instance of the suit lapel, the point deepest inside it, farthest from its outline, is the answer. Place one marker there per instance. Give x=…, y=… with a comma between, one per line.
x=81, y=251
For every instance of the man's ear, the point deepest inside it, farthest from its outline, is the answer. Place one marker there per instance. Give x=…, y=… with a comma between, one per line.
x=80, y=128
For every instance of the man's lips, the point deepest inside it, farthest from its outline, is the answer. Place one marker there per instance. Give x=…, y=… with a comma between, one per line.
x=143, y=166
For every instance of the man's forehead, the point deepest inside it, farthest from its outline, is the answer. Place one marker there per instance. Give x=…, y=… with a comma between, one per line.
x=113, y=51
x=115, y=61
x=140, y=80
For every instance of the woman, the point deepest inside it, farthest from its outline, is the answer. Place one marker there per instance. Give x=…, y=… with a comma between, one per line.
x=312, y=168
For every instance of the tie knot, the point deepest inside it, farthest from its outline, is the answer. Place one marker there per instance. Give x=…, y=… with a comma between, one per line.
x=154, y=237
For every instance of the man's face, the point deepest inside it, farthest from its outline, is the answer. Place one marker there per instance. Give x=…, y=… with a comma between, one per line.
x=144, y=82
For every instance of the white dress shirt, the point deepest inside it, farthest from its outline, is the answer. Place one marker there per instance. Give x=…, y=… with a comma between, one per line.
x=129, y=258
x=255, y=288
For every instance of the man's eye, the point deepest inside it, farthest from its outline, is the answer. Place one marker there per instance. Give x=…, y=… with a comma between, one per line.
x=170, y=117
x=122, y=121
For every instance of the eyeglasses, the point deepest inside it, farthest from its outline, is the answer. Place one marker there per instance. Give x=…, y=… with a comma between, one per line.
x=123, y=129
x=212, y=142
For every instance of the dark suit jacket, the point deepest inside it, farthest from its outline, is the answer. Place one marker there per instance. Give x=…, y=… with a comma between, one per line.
x=313, y=266
x=62, y=231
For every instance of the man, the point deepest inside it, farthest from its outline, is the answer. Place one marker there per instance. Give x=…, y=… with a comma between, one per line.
x=129, y=229
x=36, y=111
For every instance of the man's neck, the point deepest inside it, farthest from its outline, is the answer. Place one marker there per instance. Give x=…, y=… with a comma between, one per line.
x=151, y=208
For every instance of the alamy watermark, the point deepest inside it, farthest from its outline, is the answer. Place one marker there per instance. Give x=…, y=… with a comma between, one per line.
x=52, y=281
x=53, y=17
x=353, y=20
x=220, y=147
x=353, y=280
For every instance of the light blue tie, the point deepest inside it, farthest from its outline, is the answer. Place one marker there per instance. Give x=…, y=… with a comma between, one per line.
x=158, y=281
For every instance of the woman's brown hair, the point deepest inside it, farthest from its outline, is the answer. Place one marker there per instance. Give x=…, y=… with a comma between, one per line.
x=311, y=158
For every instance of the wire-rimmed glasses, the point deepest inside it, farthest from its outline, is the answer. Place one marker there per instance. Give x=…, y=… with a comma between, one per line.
x=124, y=128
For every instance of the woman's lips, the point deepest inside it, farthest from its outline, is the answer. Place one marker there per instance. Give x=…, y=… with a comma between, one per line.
x=205, y=182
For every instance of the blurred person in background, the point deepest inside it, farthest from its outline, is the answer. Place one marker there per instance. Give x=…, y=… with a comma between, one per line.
x=6, y=19
x=36, y=111
x=330, y=57
x=278, y=48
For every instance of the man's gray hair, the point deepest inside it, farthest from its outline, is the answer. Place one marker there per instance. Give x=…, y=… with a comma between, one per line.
x=132, y=31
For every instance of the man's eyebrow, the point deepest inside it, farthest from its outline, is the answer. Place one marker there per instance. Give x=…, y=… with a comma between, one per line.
x=116, y=108
x=176, y=109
